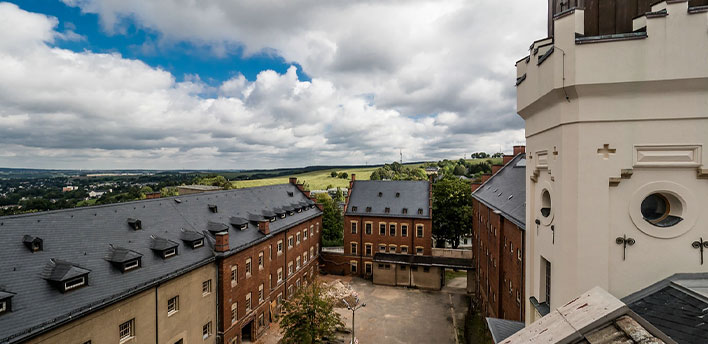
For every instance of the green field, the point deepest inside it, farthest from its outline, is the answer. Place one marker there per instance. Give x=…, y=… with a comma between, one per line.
x=317, y=180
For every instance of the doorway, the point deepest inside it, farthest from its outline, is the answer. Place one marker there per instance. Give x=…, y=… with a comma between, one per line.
x=246, y=333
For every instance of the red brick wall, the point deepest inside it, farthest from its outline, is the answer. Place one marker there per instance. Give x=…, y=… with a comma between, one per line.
x=361, y=238
x=229, y=294
x=496, y=264
x=337, y=264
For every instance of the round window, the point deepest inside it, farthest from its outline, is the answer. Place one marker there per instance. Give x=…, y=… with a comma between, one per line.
x=661, y=209
x=545, y=203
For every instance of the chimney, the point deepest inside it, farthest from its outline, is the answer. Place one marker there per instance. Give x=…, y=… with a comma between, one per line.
x=264, y=227
x=320, y=206
x=307, y=194
x=496, y=168
x=519, y=149
x=353, y=176
x=506, y=159
x=222, y=241
x=293, y=180
x=485, y=177
x=300, y=186
x=475, y=186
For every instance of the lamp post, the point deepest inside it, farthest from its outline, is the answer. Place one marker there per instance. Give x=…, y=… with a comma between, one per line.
x=353, y=308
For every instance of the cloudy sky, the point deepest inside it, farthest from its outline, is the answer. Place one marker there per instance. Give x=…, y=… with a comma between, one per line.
x=225, y=84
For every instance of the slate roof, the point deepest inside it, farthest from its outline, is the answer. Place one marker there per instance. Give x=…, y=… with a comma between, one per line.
x=60, y=270
x=410, y=259
x=502, y=329
x=413, y=195
x=190, y=236
x=677, y=305
x=81, y=236
x=121, y=255
x=505, y=191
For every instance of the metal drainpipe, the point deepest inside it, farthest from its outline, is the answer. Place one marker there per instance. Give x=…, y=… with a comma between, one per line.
x=156, y=318
x=363, y=246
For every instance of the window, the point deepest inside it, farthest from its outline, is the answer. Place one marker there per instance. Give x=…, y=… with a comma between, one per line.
x=248, y=267
x=392, y=229
x=353, y=248
x=367, y=268
x=270, y=252
x=426, y=269
x=234, y=275
x=290, y=291
x=206, y=330
x=405, y=211
x=353, y=266
x=392, y=248
x=367, y=228
x=206, y=287
x=404, y=230
x=260, y=293
x=261, y=320
x=126, y=330
x=3, y=306
x=280, y=275
x=387, y=210
x=414, y=268
x=404, y=249
x=420, y=211
x=131, y=264
x=367, y=249
x=317, y=248
x=382, y=229
x=518, y=254
x=290, y=268
x=312, y=252
x=169, y=252
x=260, y=261
x=74, y=283
x=234, y=312
x=298, y=237
x=403, y=268
x=297, y=263
x=317, y=227
x=304, y=258
x=662, y=209
x=248, y=302
x=547, y=273
x=419, y=231
x=290, y=242
x=304, y=234
x=173, y=305
x=545, y=203
x=297, y=283
x=382, y=248
x=280, y=247
x=353, y=227
x=270, y=281
x=419, y=250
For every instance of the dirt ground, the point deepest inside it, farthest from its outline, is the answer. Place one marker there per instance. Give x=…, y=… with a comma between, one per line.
x=400, y=315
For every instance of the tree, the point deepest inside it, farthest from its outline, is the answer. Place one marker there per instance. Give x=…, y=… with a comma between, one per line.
x=339, y=196
x=309, y=316
x=498, y=155
x=460, y=170
x=452, y=206
x=343, y=175
x=332, y=221
x=333, y=174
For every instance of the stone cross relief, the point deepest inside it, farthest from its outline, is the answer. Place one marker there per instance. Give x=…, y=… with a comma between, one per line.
x=605, y=152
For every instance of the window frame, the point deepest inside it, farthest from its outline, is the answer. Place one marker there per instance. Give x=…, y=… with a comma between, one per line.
x=172, y=305
x=206, y=287
x=130, y=330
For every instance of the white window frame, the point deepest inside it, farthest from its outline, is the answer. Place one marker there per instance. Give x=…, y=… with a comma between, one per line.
x=234, y=275
x=291, y=242
x=421, y=249
x=422, y=231
x=261, y=261
x=261, y=294
x=206, y=330
x=72, y=283
x=248, y=302
x=234, y=312
x=280, y=247
x=172, y=305
x=206, y=287
x=280, y=275
x=126, y=330
x=131, y=265
x=170, y=252
x=249, y=267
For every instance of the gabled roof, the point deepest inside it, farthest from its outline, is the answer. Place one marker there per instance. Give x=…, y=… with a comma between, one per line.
x=505, y=191
x=59, y=270
x=677, y=305
x=412, y=195
x=81, y=236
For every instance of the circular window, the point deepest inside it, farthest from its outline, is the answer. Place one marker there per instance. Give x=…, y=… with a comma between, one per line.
x=661, y=210
x=545, y=203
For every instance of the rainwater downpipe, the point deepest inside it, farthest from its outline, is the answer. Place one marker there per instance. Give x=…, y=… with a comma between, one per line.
x=564, y=91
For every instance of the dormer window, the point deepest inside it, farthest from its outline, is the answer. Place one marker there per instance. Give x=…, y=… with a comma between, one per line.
x=291, y=194
x=124, y=259
x=398, y=194
x=135, y=224
x=354, y=208
x=34, y=244
x=291, y=213
x=165, y=248
x=65, y=276
x=380, y=194
x=420, y=211
x=272, y=219
x=299, y=210
x=213, y=208
x=192, y=239
x=216, y=227
x=368, y=209
x=5, y=302
x=282, y=216
x=405, y=210
x=387, y=210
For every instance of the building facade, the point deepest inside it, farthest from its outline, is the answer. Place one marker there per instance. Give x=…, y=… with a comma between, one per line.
x=615, y=134
x=498, y=231
x=386, y=217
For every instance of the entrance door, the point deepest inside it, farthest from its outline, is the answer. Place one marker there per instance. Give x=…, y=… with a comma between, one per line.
x=246, y=332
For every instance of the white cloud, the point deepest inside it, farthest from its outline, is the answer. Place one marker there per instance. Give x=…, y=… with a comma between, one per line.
x=432, y=78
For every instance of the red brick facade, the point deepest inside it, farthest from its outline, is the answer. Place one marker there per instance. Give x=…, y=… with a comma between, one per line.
x=498, y=255
x=266, y=261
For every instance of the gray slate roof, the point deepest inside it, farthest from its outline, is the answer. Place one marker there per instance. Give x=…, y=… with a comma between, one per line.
x=677, y=305
x=509, y=181
x=82, y=237
x=412, y=196
x=502, y=329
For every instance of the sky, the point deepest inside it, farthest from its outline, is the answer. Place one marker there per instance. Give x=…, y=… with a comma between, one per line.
x=222, y=84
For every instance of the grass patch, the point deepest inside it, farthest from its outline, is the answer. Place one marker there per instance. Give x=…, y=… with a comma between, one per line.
x=87, y=202
x=476, y=329
x=449, y=274
x=317, y=180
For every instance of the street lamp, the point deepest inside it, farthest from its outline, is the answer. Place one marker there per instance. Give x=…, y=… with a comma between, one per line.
x=353, y=308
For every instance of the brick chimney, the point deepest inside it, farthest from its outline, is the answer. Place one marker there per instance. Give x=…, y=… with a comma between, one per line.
x=264, y=227
x=307, y=193
x=320, y=206
x=300, y=186
x=506, y=159
x=485, y=177
x=519, y=149
x=475, y=186
x=293, y=180
x=496, y=168
x=353, y=176
x=222, y=241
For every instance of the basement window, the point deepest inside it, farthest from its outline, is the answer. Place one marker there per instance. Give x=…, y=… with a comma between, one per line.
x=136, y=224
